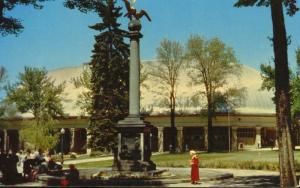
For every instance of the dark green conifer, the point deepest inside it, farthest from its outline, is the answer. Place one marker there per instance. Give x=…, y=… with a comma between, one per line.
x=110, y=72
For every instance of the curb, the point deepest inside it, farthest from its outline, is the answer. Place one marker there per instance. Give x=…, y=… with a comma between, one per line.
x=48, y=180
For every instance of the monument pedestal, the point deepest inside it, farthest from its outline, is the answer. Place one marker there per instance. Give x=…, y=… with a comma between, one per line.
x=134, y=146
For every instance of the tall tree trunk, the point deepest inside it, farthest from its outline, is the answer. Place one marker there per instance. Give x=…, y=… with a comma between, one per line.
x=209, y=124
x=173, y=127
x=282, y=97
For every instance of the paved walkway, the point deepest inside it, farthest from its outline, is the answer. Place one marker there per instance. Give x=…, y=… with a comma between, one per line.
x=242, y=178
x=209, y=178
x=182, y=176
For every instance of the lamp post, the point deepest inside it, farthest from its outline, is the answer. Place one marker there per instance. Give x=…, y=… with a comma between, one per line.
x=62, y=132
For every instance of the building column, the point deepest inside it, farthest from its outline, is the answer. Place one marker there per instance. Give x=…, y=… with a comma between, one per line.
x=180, y=139
x=73, y=139
x=88, y=138
x=234, y=144
x=142, y=146
x=5, y=138
x=205, y=132
x=258, y=137
x=160, y=138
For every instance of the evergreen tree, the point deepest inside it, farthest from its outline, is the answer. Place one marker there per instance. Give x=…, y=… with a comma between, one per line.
x=110, y=72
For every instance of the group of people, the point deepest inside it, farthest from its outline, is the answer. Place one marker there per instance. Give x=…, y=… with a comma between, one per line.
x=32, y=163
x=37, y=162
x=8, y=166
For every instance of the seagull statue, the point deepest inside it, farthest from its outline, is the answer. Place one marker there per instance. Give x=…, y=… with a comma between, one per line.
x=132, y=12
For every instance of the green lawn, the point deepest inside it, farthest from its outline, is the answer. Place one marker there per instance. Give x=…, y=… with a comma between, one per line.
x=260, y=160
x=84, y=156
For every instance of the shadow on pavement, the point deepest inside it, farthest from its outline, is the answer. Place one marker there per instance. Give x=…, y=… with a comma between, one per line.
x=253, y=181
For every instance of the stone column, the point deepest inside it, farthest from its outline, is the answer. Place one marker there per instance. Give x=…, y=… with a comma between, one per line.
x=160, y=139
x=134, y=75
x=205, y=130
x=180, y=139
x=88, y=138
x=73, y=139
x=119, y=145
x=134, y=71
x=234, y=144
x=5, y=147
x=258, y=137
x=133, y=125
x=142, y=141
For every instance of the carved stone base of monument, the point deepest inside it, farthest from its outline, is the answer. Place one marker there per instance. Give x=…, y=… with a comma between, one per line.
x=135, y=166
x=134, y=146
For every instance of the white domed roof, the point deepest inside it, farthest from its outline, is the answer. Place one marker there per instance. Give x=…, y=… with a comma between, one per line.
x=70, y=93
x=256, y=101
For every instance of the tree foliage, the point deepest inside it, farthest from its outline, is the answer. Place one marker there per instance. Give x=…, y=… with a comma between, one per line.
x=144, y=76
x=211, y=63
x=37, y=94
x=2, y=73
x=295, y=89
x=8, y=110
x=109, y=70
x=268, y=76
x=41, y=136
x=290, y=5
x=2, y=77
x=84, y=99
x=167, y=72
x=229, y=100
x=10, y=25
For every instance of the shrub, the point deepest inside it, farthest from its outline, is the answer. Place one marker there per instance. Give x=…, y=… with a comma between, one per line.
x=73, y=155
x=97, y=153
x=56, y=158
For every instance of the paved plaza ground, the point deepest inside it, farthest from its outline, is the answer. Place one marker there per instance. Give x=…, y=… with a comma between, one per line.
x=209, y=178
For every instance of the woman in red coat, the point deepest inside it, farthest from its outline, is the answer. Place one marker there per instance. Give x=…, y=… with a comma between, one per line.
x=194, y=167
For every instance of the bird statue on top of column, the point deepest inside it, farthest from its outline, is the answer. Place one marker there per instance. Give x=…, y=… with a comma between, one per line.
x=132, y=12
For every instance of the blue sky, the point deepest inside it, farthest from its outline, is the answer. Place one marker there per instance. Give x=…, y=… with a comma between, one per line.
x=56, y=37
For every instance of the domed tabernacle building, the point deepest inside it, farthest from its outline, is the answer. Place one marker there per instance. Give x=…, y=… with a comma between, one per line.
x=250, y=125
